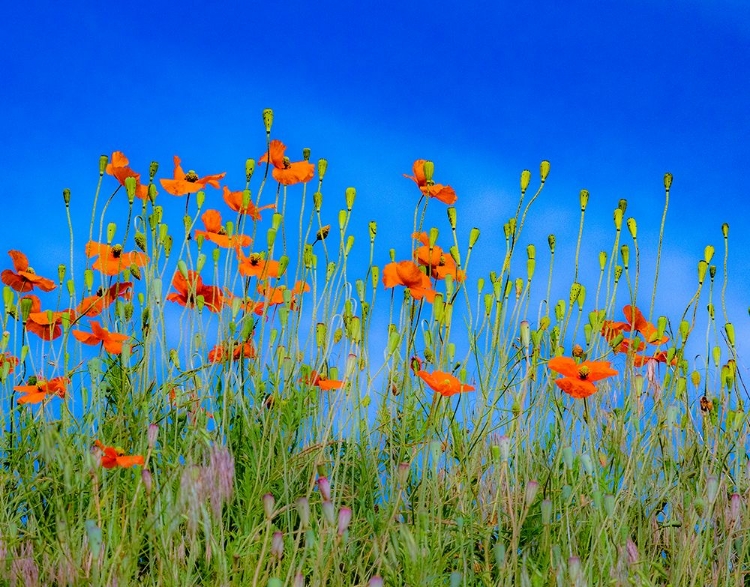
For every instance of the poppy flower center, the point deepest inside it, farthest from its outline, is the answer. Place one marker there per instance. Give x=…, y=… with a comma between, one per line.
x=254, y=260
x=117, y=251
x=30, y=270
x=583, y=373
x=287, y=163
x=191, y=176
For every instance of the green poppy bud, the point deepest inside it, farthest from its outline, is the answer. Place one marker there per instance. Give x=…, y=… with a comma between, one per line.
x=667, y=181
x=544, y=170
x=88, y=279
x=140, y=241
x=584, y=199
x=716, y=355
x=473, y=237
x=268, y=119
x=317, y=201
x=429, y=170
x=708, y=253
x=551, y=242
x=349, y=245
x=725, y=230
x=632, y=228
x=322, y=168
x=375, y=277
x=622, y=204
x=66, y=196
x=618, y=273
x=618, y=219
x=525, y=179
x=702, y=267
x=575, y=289
x=342, y=219
x=200, y=198
x=103, y=160
x=729, y=329
x=130, y=186
x=452, y=217
x=602, y=260
x=152, y=169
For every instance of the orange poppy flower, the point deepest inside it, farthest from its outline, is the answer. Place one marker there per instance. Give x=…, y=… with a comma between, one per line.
x=408, y=274
x=274, y=295
x=33, y=394
x=115, y=457
x=46, y=324
x=578, y=378
x=24, y=279
x=446, y=384
x=321, y=381
x=635, y=322
x=216, y=234
x=112, y=260
x=439, y=262
x=188, y=183
x=254, y=265
x=444, y=193
x=235, y=200
x=639, y=360
x=12, y=361
x=189, y=289
x=285, y=172
x=92, y=306
x=220, y=352
x=112, y=341
x=118, y=168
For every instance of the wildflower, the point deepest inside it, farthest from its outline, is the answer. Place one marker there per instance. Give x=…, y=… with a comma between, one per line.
x=118, y=168
x=635, y=322
x=446, y=384
x=439, y=263
x=23, y=278
x=47, y=325
x=445, y=194
x=112, y=260
x=285, y=172
x=321, y=381
x=188, y=183
x=92, y=306
x=274, y=295
x=189, y=289
x=345, y=517
x=215, y=232
x=235, y=201
x=112, y=341
x=255, y=265
x=38, y=390
x=115, y=457
x=12, y=361
x=578, y=378
x=408, y=274
x=220, y=353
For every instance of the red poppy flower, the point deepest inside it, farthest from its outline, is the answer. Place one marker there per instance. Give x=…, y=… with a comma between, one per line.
x=118, y=168
x=444, y=193
x=439, y=262
x=189, y=289
x=188, y=183
x=92, y=306
x=112, y=260
x=285, y=172
x=24, y=279
x=254, y=265
x=235, y=201
x=635, y=322
x=112, y=341
x=216, y=234
x=322, y=382
x=220, y=352
x=115, y=457
x=47, y=325
x=33, y=394
x=446, y=384
x=578, y=378
x=408, y=274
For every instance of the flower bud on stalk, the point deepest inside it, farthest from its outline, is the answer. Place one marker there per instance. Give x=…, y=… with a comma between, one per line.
x=525, y=179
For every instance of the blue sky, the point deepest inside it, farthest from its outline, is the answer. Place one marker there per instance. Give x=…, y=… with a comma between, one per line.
x=613, y=94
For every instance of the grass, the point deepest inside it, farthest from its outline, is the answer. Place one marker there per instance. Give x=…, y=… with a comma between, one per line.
x=252, y=431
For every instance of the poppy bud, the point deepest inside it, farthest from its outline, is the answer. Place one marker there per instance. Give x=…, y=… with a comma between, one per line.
x=712, y=272
x=152, y=193
x=702, y=267
x=525, y=179
x=581, y=297
x=684, y=330
x=584, y=199
x=306, y=153
x=351, y=194
x=712, y=488
x=575, y=289
x=200, y=197
x=667, y=181
x=349, y=245
x=307, y=256
x=625, y=253
x=268, y=119
x=317, y=201
x=725, y=230
x=322, y=168
x=710, y=308
x=632, y=228
x=551, y=243
x=103, y=160
x=283, y=264
x=111, y=229
x=560, y=309
x=429, y=171
x=373, y=228
x=729, y=329
x=201, y=261
x=473, y=237
x=518, y=285
x=452, y=217
x=25, y=309
x=135, y=271
x=342, y=219
x=525, y=333
x=708, y=253
x=544, y=170
x=618, y=219
x=130, y=185
x=270, y=238
x=618, y=273
x=88, y=279
x=140, y=241
x=167, y=244
x=66, y=196
x=530, y=267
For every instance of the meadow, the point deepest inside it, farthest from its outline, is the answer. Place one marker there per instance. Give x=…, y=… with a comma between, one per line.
x=221, y=388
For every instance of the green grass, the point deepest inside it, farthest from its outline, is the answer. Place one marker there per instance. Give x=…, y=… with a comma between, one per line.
x=250, y=470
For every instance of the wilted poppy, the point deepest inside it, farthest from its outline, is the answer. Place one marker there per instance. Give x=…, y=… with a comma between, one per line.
x=220, y=352
x=188, y=183
x=322, y=382
x=36, y=392
x=24, y=279
x=112, y=341
x=255, y=265
x=118, y=168
x=408, y=274
x=285, y=172
x=189, y=289
x=235, y=200
x=444, y=193
x=446, y=384
x=46, y=324
x=112, y=260
x=94, y=305
x=115, y=457
x=216, y=234
x=578, y=378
